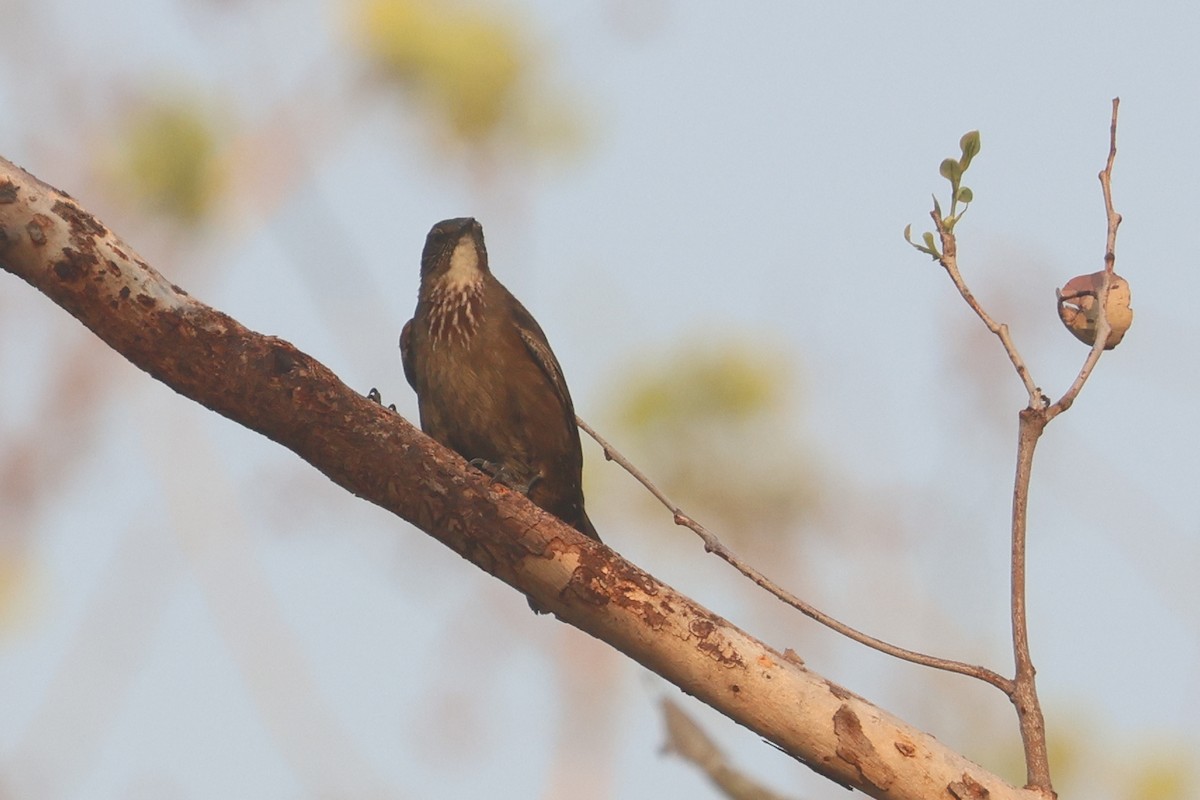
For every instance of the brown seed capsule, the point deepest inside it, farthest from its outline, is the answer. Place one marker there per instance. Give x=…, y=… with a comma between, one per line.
x=1079, y=310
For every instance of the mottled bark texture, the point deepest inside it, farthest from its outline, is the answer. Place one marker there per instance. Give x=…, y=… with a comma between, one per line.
x=267, y=385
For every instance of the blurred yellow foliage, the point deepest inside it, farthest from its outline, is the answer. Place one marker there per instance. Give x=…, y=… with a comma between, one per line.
x=731, y=384
x=14, y=580
x=719, y=430
x=1168, y=774
x=466, y=63
x=1084, y=756
x=168, y=160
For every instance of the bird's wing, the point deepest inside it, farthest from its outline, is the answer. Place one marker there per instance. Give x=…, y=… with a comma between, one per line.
x=535, y=342
x=406, y=357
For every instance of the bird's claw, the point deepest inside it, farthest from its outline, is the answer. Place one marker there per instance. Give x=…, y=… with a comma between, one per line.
x=375, y=397
x=501, y=473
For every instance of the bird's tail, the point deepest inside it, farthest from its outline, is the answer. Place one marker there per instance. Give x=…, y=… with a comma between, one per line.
x=584, y=526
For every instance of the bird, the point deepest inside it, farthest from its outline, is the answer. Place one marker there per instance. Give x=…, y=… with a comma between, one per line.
x=488, y=385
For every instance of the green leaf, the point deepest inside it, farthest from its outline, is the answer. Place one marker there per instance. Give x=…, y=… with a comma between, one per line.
x=929, y=248
x=965, y=195
x=969, y=143
x=951, y=170
x=937, y=206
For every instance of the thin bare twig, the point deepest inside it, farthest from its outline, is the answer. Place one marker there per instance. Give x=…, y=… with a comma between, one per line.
x=949, y=262
x=714, y=545
x=1024, y=695
x=1025, y=698
x=1103, y=328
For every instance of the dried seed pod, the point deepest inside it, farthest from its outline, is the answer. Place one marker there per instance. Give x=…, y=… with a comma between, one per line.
x=1079, y=310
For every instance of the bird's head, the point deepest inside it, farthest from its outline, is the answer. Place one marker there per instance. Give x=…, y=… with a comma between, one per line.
x=454, y=253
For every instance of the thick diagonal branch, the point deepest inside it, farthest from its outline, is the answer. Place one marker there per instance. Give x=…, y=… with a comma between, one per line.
x=271, y=387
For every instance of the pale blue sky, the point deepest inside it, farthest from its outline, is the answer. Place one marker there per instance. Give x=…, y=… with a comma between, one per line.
x=744, y=174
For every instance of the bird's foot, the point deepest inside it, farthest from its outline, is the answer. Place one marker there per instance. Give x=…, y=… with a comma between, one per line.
x=375, y=397
x=503, y=473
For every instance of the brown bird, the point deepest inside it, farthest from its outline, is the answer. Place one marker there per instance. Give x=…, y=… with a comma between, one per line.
x=488, y=385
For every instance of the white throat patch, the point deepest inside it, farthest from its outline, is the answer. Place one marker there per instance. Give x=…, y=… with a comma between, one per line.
x=464, y=266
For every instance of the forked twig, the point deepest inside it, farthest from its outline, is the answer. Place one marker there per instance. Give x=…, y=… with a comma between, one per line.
x=1021, y=689
x=1033, y=421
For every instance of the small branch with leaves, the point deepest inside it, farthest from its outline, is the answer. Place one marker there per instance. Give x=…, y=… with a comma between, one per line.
x=1095, y=308
x=952, y=169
